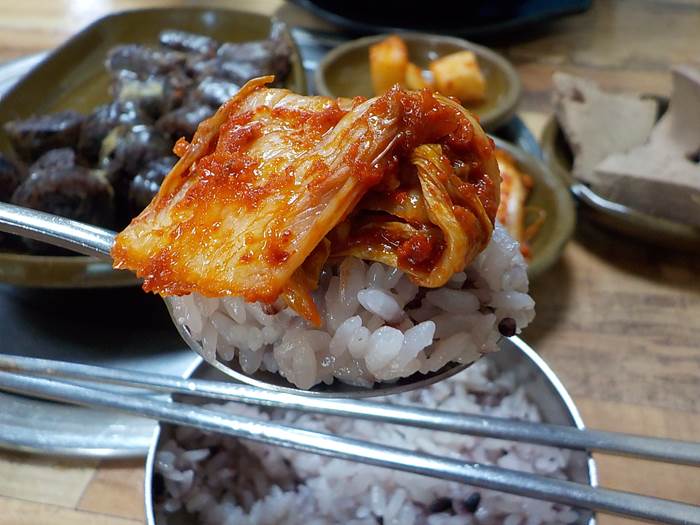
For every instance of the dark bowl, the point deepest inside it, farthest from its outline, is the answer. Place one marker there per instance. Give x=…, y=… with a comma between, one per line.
x=469, y=19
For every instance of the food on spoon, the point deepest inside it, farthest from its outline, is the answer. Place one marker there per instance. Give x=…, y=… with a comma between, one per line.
x=333, y=239
x=388, y=61
x=458, y=75
x=285, y=170
x=515, y=189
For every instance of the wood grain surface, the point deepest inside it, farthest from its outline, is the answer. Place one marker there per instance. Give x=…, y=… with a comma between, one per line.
x=617, y=320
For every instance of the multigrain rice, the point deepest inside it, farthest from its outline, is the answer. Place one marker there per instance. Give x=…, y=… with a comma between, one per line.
x=219, y=480
x=377, y=325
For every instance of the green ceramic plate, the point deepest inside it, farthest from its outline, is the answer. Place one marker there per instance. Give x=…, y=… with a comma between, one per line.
x=552, y=195
x=344, y=72
x=611, y=215
x=73, y=77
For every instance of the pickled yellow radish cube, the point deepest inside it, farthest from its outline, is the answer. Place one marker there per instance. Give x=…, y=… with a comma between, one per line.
x=387, y=63
x=458, y=75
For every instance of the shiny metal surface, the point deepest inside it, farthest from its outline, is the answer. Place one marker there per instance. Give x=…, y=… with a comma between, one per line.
x=59, y=231
x=476, y=474
x=669, y=450
x=44, y=427
x=34, y=426
x=541, y=384
x=95, y=241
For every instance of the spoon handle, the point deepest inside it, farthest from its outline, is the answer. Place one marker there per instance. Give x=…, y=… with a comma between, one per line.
x=59, y=231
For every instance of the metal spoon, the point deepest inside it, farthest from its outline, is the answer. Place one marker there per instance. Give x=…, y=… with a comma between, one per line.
x=97, y=242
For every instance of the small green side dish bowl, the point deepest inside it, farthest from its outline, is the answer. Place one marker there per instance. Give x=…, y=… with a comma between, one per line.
x=344, y=72
x=552, y=195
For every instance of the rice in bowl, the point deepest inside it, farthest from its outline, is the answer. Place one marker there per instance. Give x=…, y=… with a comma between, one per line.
x=377, y=326
x=208, y=479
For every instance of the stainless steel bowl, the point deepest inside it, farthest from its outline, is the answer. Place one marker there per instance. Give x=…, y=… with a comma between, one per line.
x=541, y=384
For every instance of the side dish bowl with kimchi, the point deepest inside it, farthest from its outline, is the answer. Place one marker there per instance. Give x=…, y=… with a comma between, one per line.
x=535, y=207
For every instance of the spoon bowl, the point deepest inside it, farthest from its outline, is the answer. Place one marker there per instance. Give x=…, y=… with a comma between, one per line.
x=97, y=242
x=276, y=382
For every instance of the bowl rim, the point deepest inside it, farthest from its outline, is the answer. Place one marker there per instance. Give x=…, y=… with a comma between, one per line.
x=491, y=120
x=528, y=352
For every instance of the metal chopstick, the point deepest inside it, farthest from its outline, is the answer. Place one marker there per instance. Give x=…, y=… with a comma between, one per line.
x=669, y=450
x=495, y=478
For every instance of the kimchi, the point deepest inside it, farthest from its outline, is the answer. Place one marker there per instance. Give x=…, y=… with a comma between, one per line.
x=275, y=185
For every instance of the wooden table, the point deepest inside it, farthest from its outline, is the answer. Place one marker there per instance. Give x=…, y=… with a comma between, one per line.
x=618, y=321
